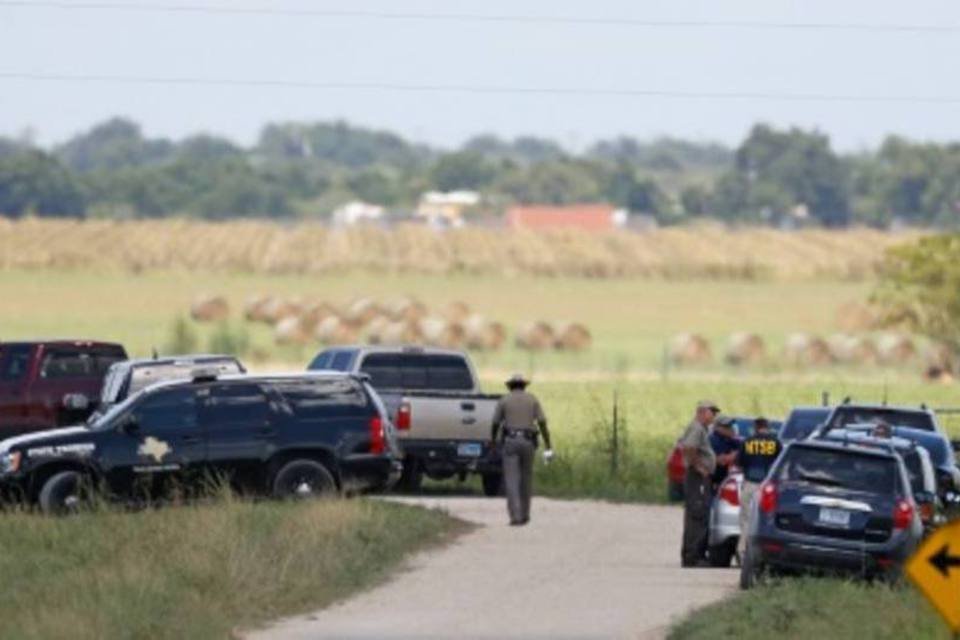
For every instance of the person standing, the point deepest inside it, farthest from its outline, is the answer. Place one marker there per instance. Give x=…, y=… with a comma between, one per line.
x=516, y=422
x=757, y=455
x=701, y=462
x=726, y=446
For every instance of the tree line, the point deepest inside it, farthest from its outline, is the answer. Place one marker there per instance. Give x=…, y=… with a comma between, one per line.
x=775, y=176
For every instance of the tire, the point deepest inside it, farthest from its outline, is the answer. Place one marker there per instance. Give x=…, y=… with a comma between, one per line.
x=493, y=484
x=64, y=492
x=721, y=555
x=303, y=479
x=411, y=479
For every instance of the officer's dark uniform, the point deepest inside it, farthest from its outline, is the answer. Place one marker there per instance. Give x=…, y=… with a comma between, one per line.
x=518, y=416
x=757, y=455
x=697, y=488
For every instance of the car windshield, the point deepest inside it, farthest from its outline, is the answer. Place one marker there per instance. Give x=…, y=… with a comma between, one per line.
x=802, y=422
x=840, y=468
x=142, y=377
x=895, y=417
x=103, y=421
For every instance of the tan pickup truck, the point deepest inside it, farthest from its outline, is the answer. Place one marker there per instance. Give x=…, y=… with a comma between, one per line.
x=434, y=399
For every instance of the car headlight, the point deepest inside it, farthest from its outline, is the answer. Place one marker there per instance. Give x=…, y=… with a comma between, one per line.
x=10, y=462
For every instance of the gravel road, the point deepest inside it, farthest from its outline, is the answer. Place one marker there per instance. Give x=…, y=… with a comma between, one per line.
x=578, y=570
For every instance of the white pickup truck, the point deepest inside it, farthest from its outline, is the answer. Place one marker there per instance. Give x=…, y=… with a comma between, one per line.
x=441, y=416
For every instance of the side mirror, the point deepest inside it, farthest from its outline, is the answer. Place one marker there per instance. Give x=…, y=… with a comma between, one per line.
x=129, y=425
x=76, y=402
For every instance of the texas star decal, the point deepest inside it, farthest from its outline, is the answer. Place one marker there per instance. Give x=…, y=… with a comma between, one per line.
x=153, y=448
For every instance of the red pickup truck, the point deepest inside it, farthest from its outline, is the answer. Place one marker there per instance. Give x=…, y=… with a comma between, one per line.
x=47, y=384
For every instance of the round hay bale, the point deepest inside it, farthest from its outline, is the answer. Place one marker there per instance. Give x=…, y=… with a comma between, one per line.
x=457, y=311
x=483, y=335
x=405, y=310
x=439, y=332
x=856, y=316
x=333, y=331
x=745, y=348
x=689, y=348
x=853, y=349
x=276, y=309
x=402, y=333
x=942, y=357
x=361, y=311
x=291, y=330
x=535, y=336
x=803, y=349
x=896, y=349
x=573, y=336
x=253, y=308
x=938, y=375
x=373, y=332
x=314, y=313
x=210, y=309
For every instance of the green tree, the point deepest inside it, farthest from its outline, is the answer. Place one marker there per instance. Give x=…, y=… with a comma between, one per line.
x=462, y=170
x=35, y=182
x=920, y=288
x=112, y=145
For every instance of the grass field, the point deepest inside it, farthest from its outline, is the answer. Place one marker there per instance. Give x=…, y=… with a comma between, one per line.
x=631, y=320
x=811, y=608
x=200, y=571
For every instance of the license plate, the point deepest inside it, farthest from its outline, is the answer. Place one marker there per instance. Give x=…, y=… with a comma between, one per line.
x=835, y=517
x=471, y=450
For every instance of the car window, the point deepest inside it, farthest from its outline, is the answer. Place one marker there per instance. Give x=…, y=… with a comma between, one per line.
x=801, y=424
x=383, y=369
x=898, y=418
x=14, y=361
x=342, y=360
x=844, y=469
x=142, y=376
x=112, y=384
x=169, y=410
x=317, y=399
x=322, y=361
x=449, y=373
x=914, y=466
x=76, y=363
x=235, y=405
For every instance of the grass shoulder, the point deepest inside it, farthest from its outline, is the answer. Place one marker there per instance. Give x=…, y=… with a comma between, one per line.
x=199, y=571
x=816, y=608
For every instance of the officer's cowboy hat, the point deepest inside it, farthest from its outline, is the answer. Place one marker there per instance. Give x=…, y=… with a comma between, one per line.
x=708, y=404
x=517, y=380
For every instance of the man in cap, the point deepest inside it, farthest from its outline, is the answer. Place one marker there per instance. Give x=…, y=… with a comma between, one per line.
x=516, y=420
x=701, y=462
x=757, y=455
x=726, y=446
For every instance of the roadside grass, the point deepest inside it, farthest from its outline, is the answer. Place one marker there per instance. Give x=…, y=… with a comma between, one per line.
x=200, y=571
x=807, y=608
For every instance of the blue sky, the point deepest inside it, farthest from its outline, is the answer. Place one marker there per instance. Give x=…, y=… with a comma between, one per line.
x=528, y=53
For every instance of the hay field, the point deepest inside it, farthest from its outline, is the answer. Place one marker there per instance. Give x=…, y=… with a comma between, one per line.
x=311, y=249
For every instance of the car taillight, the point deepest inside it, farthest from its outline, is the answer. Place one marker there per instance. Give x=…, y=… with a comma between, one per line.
x=730, y=493
x=377, y=436
x=768, y=497
x=902, y=514
x=404, y=415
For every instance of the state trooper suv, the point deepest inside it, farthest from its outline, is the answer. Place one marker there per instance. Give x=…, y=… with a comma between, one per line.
x=286, y=436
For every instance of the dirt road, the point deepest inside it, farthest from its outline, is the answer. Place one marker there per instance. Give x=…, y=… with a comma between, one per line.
x=579, y=570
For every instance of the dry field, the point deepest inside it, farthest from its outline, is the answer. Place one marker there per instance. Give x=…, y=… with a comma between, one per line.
x=267, y=248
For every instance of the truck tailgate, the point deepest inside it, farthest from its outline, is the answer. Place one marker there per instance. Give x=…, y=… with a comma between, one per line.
x=449, y=417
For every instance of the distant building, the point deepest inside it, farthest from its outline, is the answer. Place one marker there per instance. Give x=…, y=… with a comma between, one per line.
x=356, y=212
x=446, y=209
x=583, y=217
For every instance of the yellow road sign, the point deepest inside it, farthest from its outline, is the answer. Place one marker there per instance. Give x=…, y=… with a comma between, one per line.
x=935, y=569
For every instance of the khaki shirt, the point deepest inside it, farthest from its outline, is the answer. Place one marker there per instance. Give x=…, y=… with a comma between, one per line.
x=518, y=410
x=697, y=436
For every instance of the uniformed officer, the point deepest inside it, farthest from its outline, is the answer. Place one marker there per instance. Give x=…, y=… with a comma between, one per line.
x=701, y=462
x=726, y=446
x=757, y=455
x=515, y=421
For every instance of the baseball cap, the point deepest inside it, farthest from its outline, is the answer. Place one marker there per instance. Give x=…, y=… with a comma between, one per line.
x=724, y=421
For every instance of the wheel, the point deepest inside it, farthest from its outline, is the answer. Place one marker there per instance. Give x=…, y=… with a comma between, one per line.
x=674, y=491
x=493, y=484
x=412, y=477
x=64, y=492
x=721, y=555
x=751, y=571
x=302, y=479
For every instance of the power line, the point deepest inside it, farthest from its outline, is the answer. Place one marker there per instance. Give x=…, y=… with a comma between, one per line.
x=479, y=17
x=472, y=89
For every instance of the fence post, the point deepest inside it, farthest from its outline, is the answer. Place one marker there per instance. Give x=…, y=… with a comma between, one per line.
x=615, y=444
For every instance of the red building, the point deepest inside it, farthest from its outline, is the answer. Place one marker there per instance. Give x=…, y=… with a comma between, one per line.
x=583, y=217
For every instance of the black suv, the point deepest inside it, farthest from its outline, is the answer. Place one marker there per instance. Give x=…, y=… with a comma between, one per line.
x=832, y=507
x=286, y=436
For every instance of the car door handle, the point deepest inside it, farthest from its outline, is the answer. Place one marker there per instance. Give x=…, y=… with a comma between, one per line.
x=468, y=406
x=470, y=420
